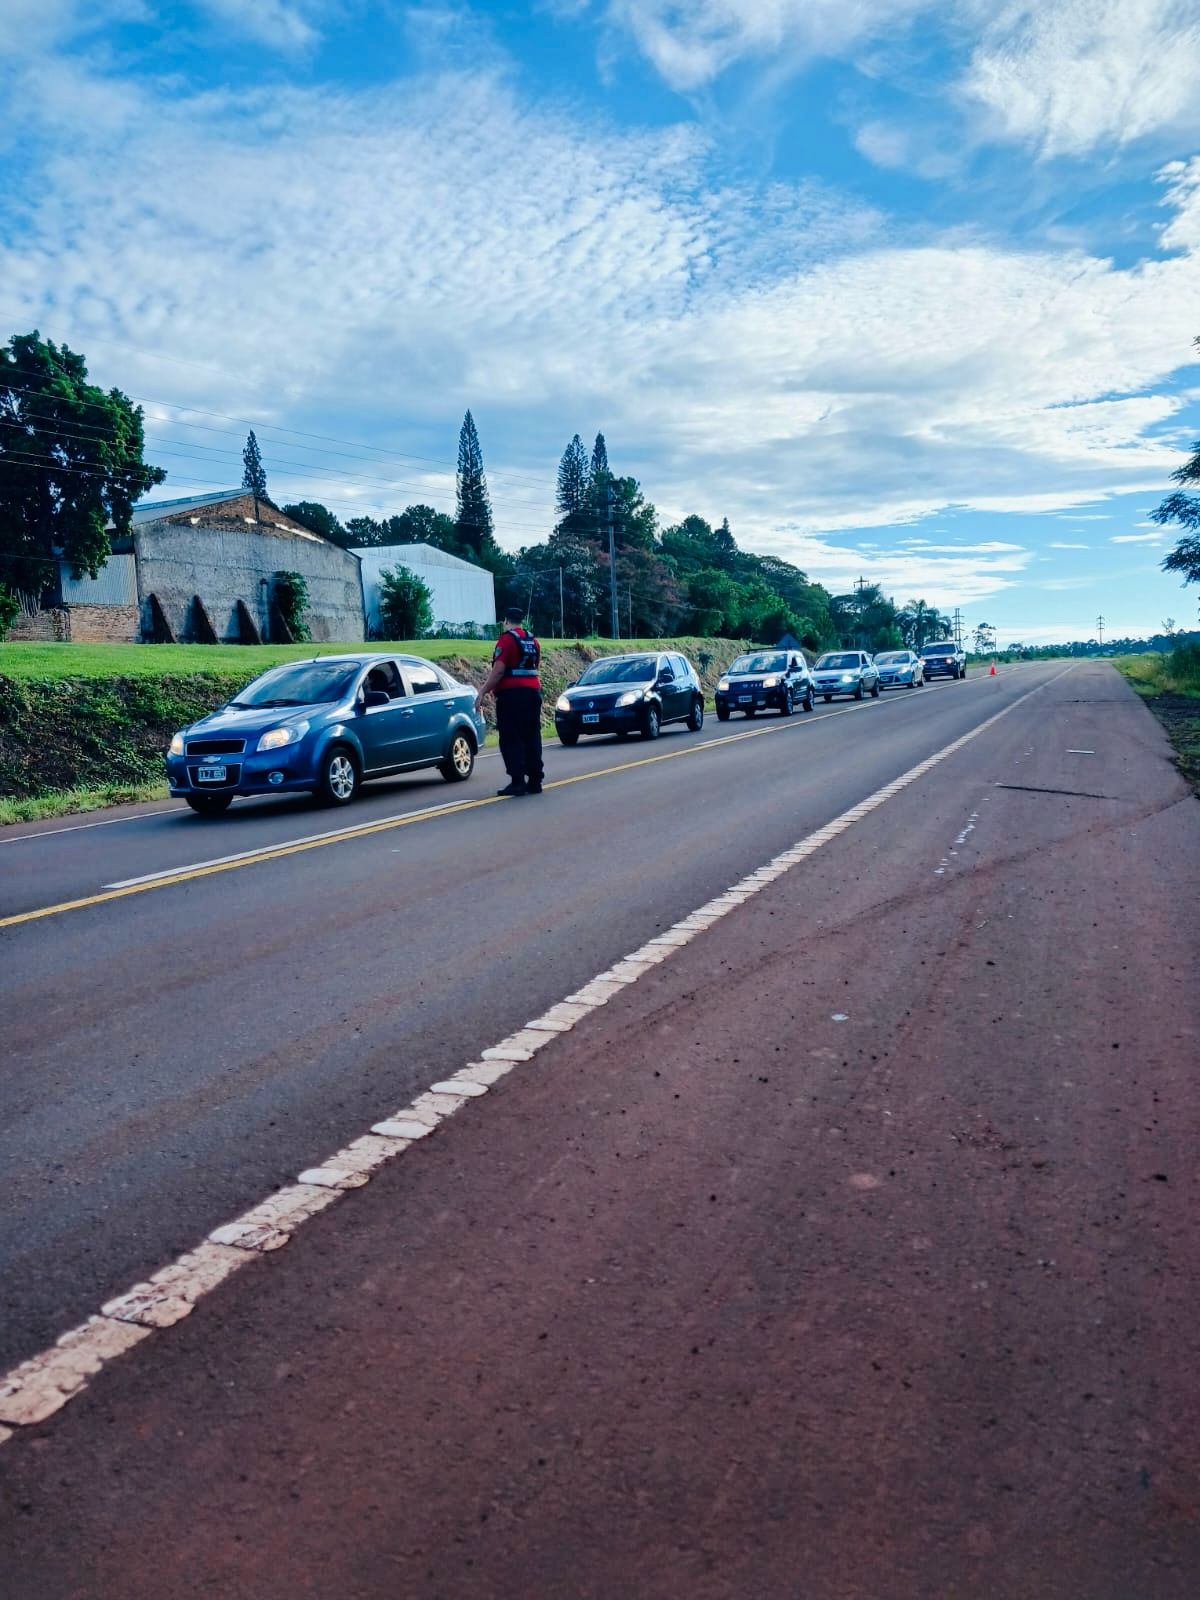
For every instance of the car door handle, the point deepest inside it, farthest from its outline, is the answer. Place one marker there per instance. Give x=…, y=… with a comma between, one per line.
x=407, y=711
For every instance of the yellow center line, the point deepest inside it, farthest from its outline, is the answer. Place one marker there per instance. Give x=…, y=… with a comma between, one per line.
x=188, y=874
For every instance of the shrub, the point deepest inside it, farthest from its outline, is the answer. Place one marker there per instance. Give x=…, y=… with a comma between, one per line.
x=405, y=611
x=291, y=601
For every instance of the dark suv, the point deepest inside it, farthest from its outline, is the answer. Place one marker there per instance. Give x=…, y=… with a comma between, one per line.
x=945, y=659
x=779, y=679
x=631, y=694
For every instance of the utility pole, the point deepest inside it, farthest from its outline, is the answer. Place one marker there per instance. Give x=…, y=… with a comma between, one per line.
x=860, y=586
x=958, y=626
x=562, y=614
x=612, y=565
x=1100, y=630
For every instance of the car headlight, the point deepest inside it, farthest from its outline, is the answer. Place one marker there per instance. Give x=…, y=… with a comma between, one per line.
x=723, y=685
x=630, y=698
x=176, y=746
x=276, y=738
x=562, y=703
x=771, y=683
x=847, y=677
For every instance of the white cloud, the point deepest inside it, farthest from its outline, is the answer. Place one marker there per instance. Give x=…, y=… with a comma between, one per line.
x=274, y=22
x=1137, y=538
x=1068, y=76
x=368, y=265
x=1059, y=544
x=691, y=42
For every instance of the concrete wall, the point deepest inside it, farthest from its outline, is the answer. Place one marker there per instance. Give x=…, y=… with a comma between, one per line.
x=223, y=559
x=459, y=590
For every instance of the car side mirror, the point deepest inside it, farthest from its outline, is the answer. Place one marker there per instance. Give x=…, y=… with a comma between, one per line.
x=376, y=697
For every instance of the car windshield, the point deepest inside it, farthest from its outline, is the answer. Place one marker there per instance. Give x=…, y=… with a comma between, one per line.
x=838, y=663
x=763, y=661
x=892, y=658
x=307, y=683
x=939, y=649
x=626, y=669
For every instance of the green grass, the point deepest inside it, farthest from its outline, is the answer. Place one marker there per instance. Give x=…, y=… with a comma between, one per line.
x=49, y=663
x=67, y=802
x=1153, y=673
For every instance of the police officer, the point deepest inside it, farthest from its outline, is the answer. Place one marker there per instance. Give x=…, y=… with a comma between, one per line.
x=515, y=681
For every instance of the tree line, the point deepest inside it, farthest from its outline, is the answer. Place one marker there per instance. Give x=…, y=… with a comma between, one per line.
x=72, y=468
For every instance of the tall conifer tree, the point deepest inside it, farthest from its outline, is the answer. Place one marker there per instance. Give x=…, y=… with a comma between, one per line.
x=473, y=518
x=254, y=474
x=573, y=475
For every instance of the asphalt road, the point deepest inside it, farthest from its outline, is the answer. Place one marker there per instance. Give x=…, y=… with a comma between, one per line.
x=852, y=1251
x=175, y=1054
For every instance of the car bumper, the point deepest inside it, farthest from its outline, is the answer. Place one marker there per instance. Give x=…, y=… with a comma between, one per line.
x=247, y=774
x=896, y=682
x=950, y=671
x=838, y=688
x=619, y=719
x=754, y=700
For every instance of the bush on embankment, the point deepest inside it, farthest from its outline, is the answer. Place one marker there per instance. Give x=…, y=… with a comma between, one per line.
x=90, y=729
x=1169, y=682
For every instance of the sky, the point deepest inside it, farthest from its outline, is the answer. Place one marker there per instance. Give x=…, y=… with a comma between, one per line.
x=906, y=289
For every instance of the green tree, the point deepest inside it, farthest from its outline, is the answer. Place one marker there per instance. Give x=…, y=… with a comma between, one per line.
x=405, y=609
x=421, y=524
x=254, y=474
x=473, y=514
x=1183, y=509
x=313, y=515
x=70, y=463
x=363, y=532
x=574, y=476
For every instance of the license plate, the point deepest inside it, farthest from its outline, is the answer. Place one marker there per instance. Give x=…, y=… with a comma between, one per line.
x=210, y=774
x=745, y=699
x=593, y=716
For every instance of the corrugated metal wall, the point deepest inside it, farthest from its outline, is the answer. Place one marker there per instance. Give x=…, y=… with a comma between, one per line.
x=114, y=585
x=460, y=592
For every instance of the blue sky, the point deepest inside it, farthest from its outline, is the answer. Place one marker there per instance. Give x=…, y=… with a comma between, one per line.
x=907, y=289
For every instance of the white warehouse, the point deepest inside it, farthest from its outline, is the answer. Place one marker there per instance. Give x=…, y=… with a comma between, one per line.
x=459, y=590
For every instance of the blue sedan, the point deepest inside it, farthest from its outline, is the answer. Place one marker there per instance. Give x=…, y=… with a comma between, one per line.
x=900, y=669
x=326, y=726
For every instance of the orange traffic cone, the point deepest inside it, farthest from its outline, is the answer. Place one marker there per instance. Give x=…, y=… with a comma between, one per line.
x=992, y=670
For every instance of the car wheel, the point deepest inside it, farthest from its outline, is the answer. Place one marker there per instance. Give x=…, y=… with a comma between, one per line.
x=209, y=805
x=875, y=690
x=789, y=705
x=650, y=723
x=339, y=777
x=858, y=690
x=722, y=713
x=810, y=700
x=827, y=698
x=695, y=719
x=567, y=736
x=460, y=759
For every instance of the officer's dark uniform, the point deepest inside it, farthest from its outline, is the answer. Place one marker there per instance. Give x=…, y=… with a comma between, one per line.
x=519, y=708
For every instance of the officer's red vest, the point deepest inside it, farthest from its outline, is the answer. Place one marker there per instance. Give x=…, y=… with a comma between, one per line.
x=524, y=674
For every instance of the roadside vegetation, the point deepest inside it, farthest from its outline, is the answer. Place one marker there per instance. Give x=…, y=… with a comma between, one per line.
x=1169, y=682
x=83, y=726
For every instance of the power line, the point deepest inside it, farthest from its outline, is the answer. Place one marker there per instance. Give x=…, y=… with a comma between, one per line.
x=357, y=444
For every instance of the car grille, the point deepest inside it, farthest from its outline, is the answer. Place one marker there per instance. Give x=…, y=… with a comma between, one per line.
x=587, y=704
x=215, y=747
x=232, y=776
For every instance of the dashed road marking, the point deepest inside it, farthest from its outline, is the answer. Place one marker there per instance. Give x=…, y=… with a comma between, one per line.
x=38, y=1387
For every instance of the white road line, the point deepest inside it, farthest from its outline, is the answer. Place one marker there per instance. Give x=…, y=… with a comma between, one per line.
x=38, y=1387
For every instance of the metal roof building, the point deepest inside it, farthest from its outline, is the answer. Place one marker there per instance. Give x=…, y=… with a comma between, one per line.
x=459, y=590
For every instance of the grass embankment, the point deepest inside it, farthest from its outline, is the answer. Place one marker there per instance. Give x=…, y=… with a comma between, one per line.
x=1170, y=685
x=83, y=726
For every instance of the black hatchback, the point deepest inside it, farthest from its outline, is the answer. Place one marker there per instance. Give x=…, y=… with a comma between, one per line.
x=631, y=694
x=765, y=680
